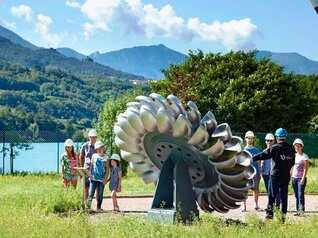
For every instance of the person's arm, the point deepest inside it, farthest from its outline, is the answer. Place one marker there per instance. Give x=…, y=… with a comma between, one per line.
x=302, y=181
x=259, y=169
x=107, y=170
x=119, y=181
x=91, y=167
x=62, y=167
x=266, y=154
x=82, y=156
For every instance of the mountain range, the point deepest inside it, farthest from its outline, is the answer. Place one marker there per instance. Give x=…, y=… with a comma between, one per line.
x=146, y=61
x=17, y=50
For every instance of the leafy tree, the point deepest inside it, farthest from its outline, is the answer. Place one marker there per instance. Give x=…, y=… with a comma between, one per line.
x=242, y=91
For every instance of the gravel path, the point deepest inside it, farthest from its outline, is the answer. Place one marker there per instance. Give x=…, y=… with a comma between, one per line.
x=132, y=205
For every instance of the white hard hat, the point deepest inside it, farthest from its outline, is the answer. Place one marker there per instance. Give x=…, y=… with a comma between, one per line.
x=92, y=133
x=98, y=144
x=298, y=141
x=249, y=134
x=69, y=142
x=269, y=136
x=115, y=157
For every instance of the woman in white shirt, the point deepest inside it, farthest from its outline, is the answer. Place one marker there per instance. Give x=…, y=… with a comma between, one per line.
x=299, y=174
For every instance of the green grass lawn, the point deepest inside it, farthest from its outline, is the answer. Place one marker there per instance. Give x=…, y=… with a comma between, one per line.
x=39, y=206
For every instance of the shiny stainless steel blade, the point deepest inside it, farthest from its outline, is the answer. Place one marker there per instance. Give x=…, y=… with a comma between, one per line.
x=223, y=132
x=124, y=136
x=209, y=122
x=200, y=137
x=164, y=120
x=148, y=118
x=193, y=114
x=182, y=127
x=135, y=121
x=125, y=125
x=150, y=176
x=132, y=157
x=215, y=150
x=132, y=148
x=175, y=105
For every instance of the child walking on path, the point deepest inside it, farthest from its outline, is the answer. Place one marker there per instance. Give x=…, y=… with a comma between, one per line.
x=115, y=179
x=99, y=168
x=69, y=160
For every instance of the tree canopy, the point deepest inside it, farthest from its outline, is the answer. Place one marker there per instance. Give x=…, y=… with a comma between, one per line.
x=247, y=93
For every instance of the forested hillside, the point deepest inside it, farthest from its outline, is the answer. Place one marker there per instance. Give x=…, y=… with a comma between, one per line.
x=52, y=59
x=51, y=98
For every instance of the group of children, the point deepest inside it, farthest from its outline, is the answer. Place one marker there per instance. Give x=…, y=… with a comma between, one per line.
x=102, y=168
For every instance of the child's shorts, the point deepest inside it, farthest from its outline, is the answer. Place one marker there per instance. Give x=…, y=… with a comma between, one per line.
x=255, y=183
x=113, y=186
x=70, y=177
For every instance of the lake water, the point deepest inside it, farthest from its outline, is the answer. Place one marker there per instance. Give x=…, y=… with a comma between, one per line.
x=43, y=157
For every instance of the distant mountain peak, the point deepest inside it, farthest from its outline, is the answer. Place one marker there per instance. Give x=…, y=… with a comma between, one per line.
x=141, y=60
x=292, y=62
x=10, y=35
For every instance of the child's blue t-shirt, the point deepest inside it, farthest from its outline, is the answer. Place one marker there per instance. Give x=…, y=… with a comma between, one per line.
x=253, y=151
x=99, y=167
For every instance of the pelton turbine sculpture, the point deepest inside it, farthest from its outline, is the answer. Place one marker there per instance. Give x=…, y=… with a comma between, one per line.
x=189, y=157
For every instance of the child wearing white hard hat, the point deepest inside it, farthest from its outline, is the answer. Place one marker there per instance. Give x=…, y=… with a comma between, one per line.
x=115, y=179
x=69, y=160
x=99, y=168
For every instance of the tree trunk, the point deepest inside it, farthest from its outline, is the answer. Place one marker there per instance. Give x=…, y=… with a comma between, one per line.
x=11, y=157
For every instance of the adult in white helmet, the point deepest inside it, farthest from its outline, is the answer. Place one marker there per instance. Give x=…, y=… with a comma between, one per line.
x=266, y=167
x=299, y=176
x=283, y=159
x=69, y=160
x=249, y=138
x=87, y=150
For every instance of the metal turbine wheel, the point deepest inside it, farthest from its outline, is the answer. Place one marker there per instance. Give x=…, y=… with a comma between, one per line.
x=152, y=127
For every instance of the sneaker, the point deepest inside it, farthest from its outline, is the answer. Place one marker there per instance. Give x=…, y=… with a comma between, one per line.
x=257, y=208
x=298, y=213
x=88, y=203
x=243, y=209
x=116, y=209
x=269, y=216
x=99, y=209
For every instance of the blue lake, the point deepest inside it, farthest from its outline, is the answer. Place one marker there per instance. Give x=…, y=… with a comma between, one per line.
x=43, y=157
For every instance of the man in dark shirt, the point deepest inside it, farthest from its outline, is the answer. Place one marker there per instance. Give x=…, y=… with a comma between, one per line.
x=283, y=160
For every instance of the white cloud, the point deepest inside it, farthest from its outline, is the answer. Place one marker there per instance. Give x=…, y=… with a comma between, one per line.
x=135, y=17
x=42, y=26
x=100, y=13
x=231, y=34
x=73, y=4
x=9, y=25
x=23, y=11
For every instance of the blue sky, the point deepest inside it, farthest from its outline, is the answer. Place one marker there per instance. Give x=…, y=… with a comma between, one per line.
x=211, y=25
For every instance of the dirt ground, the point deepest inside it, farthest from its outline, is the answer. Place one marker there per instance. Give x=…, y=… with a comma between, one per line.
x=133, y=205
